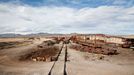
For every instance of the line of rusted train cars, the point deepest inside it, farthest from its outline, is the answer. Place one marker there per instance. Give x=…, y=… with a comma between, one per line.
x=103, y=39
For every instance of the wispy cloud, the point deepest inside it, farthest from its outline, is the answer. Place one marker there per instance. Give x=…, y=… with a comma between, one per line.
x=103, y=19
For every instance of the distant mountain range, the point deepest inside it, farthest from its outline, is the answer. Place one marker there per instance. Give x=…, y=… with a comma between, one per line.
x=9, y=35
x=29, y=35
x=48, y=34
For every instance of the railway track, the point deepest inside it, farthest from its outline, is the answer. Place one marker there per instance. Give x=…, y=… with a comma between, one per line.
x=59, y=66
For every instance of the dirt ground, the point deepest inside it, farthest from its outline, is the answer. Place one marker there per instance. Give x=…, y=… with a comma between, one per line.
x=10, y=65
x=11, y=39
x=83, y=63
x=79, y=63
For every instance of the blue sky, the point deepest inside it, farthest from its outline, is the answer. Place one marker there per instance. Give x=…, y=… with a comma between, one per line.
x=74, y=3
x=67, y=16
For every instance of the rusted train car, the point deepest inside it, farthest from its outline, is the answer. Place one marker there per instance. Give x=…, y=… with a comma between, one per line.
x=104, y=39
x=128, y=42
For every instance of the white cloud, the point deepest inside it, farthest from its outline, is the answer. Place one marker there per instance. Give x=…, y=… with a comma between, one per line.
x=103, y=19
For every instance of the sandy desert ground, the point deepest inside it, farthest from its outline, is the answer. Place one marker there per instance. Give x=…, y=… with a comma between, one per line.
x=78, y=63
x=11, y=39
x=89, y=64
